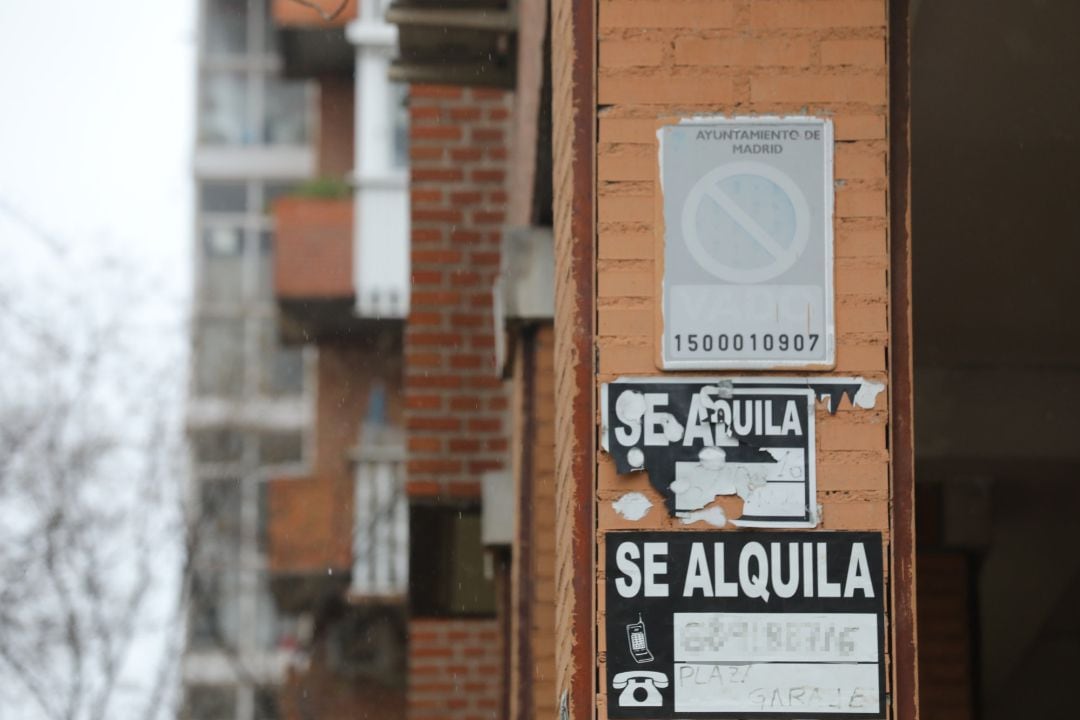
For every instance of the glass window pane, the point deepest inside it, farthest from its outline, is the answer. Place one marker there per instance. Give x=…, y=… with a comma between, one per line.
x=219, y=520
x=279, y=448
x=218, y=445
x=281, y=370
x=266, y=704
x=470, y=591
x=210, y=702
x=265, y=270
x=399, y=106
x=223, y=119
x=262, y=518
x=219, y=357
x=223, y=197
x=214, y=610
x=222, y=264
x=286, y=121
x=226, y=27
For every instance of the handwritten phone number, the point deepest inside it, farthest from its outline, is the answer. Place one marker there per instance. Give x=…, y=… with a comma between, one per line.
x=738, y=342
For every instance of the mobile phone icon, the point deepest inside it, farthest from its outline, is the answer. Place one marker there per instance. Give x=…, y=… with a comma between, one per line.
x=639, y=644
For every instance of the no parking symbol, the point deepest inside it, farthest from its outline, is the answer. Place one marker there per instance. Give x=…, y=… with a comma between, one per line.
x=747, y=218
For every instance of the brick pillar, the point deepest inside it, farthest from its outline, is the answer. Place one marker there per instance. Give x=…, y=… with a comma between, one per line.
x=455, y=404
x=675, y=58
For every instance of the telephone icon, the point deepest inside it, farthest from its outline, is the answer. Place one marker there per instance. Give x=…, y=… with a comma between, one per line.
x=640, y=688
x=639, y=644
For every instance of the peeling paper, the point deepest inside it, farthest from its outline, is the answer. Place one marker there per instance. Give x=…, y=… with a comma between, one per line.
x=632, y=506
x=866, y=397
x=714, y=516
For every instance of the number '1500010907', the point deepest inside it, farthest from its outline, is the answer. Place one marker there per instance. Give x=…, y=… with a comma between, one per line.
x=737, y=342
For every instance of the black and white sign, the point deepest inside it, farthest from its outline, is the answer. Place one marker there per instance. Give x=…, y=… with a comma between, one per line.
x=764, y=624
x=748, y=243
x=700, y=439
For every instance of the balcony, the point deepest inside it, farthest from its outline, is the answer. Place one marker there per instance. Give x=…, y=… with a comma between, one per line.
x=455, y=42
x=331, y=538
x=313, y=267
x=310, y=556
x=312, y=39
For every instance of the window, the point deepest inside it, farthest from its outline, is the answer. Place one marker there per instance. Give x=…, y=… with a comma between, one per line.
x=286, y=120
x=224, y=115
x=266, y=704
x=219, y=445
x=399, y=107
x=282, y=369
x=223, y=197
x=226, y=27
x=219, y=519
x=281, y=448
x=370, y=642
x=210, y=702
x=265, y=273
x=222, y=264
x=219, y=355
x=447, y=560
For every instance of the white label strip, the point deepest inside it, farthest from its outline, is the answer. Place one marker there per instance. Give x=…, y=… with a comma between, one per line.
x=776, y=637
x=817, y=688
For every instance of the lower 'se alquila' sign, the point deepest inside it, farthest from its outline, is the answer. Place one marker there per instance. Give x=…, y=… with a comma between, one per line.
x=763, y=624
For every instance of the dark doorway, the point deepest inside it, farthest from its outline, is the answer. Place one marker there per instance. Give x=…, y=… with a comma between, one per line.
x=996, y=288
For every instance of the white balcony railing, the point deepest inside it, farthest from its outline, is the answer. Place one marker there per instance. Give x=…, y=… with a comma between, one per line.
x=381, y=526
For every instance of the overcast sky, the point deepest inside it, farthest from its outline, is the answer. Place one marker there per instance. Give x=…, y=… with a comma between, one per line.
x=96, y=118
x=96, y=135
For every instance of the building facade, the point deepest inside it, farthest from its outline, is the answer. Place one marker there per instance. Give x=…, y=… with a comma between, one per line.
x=251, y=404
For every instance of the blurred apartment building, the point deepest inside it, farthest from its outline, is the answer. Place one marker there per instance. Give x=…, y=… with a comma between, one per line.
x=403, y=551
x=251, y=402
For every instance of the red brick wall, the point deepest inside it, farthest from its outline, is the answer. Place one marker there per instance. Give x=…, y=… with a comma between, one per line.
x=455, y=404
x=454, y=669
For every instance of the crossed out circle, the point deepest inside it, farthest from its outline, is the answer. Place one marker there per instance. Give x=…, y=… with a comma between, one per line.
x=783, y=250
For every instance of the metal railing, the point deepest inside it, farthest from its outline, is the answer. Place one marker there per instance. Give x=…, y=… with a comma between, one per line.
x=381, y=525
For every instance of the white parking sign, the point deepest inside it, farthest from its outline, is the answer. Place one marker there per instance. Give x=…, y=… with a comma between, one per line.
x=748, y=243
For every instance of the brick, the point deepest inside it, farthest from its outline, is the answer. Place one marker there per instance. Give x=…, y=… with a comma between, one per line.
x=626, y=245
x=627, y=322
x=858, y=161
x=859, y=242
x=859, y=52
x=805, y=14
x=860, y=127
x=866, y=88
x=657, y=89
x=429, y=423
x=627, y=130
x=625, y=209
x=860, y=279
x=791, y=52
x=435, y=132
x=852, y=202
x=667, y=13
x=630, y=53
x=861, y=317
x=836, y=434
x=442, y=92
x=633, y=283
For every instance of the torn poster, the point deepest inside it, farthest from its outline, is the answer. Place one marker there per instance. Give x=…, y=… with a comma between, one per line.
x=701, y=438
